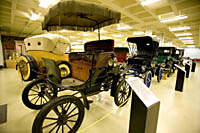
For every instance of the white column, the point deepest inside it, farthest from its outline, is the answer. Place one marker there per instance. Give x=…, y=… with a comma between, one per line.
x=199, y=34
x=161, y=37
x=170, y=43
x=148, y=32
x=1, y=53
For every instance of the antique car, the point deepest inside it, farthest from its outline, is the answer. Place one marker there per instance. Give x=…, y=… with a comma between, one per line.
x=179, y=56
x=67, y=112
x=121, y=55
x=52, y=46
x=166, y=59
x=143, y=51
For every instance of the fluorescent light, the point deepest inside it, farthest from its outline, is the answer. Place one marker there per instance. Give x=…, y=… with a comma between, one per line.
x=188, y=42
x=147, y=2
x=34, y=16
x=179, y=28
x=153, y=36
x=123, y=27
x=75, y=43
x=101, y=31
x=191, y=46
x=63, y=30
x=183, y=34
x=72, y=37
x=117, y=35
x=46, y=3
x=85, y=34
x=173, y=19
x=185, y=38
x=138, y=33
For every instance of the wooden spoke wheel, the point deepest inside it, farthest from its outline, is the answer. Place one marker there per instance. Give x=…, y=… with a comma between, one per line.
x=26, y=66
x=62, y=114
x=33, y=95
x=122, y=93
x=147, y=78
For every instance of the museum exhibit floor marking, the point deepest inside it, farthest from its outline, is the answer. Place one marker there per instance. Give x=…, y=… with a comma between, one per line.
x=105, y=116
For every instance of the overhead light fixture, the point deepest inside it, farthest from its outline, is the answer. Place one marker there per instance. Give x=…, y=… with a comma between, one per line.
x=72, y=37
x=34, y=16
x=188, y=42
x=85, y=34
x=75, y=43
x=191, y=46
x=63, y=31
x=153, y=36
x=183, y=34
x=104, y=37
x=46, y=3
x=147, y=2
x=179, y=28
x=138, y=33
x=117, y=35
x=185, y=38
x=126, y=27
x=101, y=31
x=179, y=17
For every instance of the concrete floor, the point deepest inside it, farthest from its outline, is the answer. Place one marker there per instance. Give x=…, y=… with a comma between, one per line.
x=179, y=111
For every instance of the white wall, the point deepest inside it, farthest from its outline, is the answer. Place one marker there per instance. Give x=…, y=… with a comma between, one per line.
x=192, y=53
x=1, y=53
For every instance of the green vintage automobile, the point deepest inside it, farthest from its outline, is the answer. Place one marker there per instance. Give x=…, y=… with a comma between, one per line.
x=166, y=59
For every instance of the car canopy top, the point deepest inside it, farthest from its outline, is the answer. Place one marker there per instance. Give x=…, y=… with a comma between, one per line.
x=166, y=51
x=145, y=45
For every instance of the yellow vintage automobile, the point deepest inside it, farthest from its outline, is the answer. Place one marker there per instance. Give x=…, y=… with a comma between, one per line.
x=52, y=46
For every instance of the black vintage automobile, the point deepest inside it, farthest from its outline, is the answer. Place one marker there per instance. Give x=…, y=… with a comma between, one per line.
x=166, y=59
x=67, y=112
x=143, y=51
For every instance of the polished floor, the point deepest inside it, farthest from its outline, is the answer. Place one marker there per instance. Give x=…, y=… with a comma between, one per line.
x=179, y=111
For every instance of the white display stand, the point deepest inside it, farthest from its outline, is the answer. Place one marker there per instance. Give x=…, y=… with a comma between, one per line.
x=144, y=108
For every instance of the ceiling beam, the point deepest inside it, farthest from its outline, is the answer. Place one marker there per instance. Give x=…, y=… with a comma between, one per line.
x=13, y=10
x=118, y=8
x=131, y=5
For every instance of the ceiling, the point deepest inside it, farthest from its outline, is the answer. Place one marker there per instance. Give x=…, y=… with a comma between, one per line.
x=15, y=20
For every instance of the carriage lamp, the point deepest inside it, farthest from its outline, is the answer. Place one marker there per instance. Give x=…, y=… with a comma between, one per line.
x=115, y=61
x=110, y=62
x=143, y=68
x=163, y=64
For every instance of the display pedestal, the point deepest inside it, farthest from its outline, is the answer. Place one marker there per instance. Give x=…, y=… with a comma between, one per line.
x=144, y=108
x=187, y=69
x=3, y=113
x=193, y=66
x=180, y=78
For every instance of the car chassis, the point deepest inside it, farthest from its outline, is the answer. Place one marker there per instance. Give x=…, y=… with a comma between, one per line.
x=69, y=109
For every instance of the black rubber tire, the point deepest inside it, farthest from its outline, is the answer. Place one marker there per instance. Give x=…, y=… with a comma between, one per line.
x=26, y=94
x=121, y=100
x=146, y=78
x=54, y=106
x=160, y=71
x=65, y=64
x=31, y=64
